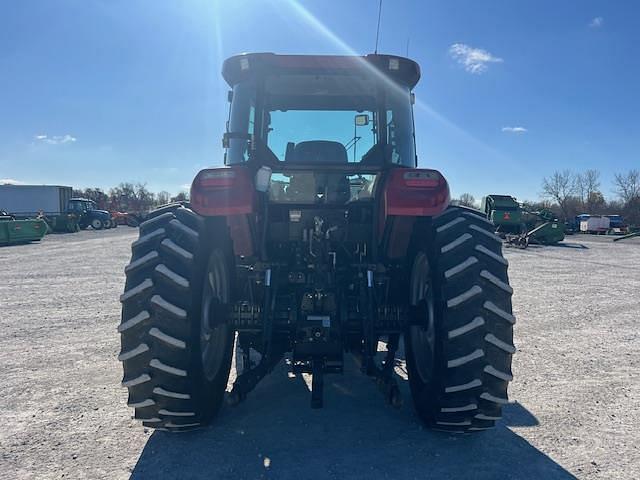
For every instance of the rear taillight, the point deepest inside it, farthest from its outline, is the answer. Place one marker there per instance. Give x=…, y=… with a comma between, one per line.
x=416, y=192
x=223, y=191
x=422, y=178
x=222, y=177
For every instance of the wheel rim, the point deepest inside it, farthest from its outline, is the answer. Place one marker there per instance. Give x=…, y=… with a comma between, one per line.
x=213, y=330
x=422, y=334
x=96, y=224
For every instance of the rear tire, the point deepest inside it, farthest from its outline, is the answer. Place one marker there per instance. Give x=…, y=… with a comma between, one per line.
x=460, y=366
x=163, y=308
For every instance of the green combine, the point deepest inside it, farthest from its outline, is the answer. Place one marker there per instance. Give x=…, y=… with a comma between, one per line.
x=520, y=227
x=14, y=231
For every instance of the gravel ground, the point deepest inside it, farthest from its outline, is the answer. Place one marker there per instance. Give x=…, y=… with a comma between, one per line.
x=576, y=394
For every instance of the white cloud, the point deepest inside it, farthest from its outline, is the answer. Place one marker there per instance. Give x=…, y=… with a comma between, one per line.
x=10, y=181
x=474, y=60
x=596, y=22
x=55, y=139
x=514, y=129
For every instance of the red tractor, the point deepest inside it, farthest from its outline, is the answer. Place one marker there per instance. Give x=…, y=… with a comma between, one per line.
x=318, y=238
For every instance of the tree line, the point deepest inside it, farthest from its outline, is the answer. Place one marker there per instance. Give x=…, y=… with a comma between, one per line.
x=128, y=197
x=565, y=192
x=568, y=193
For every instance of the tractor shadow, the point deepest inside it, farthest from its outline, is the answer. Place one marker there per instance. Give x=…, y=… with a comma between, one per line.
x=275, y=434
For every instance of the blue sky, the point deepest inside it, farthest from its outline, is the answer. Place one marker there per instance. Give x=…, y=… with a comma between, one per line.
x=95, y=92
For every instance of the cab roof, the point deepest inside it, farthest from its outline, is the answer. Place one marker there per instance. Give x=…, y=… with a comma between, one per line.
x=254, y=65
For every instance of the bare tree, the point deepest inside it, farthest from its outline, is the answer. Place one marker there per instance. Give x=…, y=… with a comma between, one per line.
x=627, y=186
x=128, y=197
x=560, y=187
x=181, y=197
x=596, y=202
x=163, y=197
x=466, y=200
x=588, y=189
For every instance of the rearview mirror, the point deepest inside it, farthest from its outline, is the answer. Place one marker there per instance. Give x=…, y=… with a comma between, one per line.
x=362, y=120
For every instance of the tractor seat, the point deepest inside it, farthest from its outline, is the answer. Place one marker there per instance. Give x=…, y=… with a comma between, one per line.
x=319, y=151
x=306, y=186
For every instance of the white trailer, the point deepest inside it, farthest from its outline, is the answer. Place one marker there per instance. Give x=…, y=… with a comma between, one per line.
x=595, y=224
x=29, y=200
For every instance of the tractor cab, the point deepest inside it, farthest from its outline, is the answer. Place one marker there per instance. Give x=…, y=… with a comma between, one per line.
x=81, y=205
x=323, y=126
x=348, y=112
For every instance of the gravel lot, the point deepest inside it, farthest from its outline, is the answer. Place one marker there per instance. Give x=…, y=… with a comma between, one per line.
x=576, y=394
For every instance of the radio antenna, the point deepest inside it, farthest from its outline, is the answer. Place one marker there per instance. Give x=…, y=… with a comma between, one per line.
x=378, y=29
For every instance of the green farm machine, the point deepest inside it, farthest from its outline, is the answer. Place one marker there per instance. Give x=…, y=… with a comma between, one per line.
x=14, y=231
x=518, y=226
x=504, y=212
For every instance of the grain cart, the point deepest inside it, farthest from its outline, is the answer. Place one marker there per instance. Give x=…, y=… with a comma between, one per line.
x=300, y=247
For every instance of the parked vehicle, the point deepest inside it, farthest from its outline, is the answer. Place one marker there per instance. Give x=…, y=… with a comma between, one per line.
x=14, y=231
x=124, y=218
x=617, y=225
x=541, y=227
x=520, y=227
x=598, y=224
x=301, y=245
x=89, y=215
x=54, y=204
x=48, y=202
x=504, y=212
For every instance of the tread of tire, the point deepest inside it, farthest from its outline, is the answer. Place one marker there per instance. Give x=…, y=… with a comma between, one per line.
x=157, y=334
x=476, y=335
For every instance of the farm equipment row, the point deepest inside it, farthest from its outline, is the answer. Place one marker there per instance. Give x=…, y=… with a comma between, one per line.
x=31, y=211
x=520, y=227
